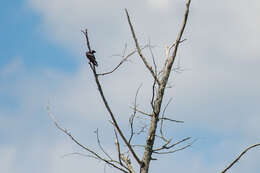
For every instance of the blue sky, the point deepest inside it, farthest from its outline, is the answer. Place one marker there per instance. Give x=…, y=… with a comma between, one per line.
x=42, y=63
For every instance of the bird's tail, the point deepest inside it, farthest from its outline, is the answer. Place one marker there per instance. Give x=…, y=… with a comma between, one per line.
x=95, y=63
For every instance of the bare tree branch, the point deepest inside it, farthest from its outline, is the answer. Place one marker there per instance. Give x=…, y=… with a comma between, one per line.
x=118, y=148
x=137, y=110
x=131, y=119
x=95, y=155
x=125, y=58
x=142, y=129
x=139, y=49
x=161, y=126
x=150, y=115
x=236, y=160
x=160, y=80
x=88, y=45
x=175, y=43
x=160, y=93
x=171, y=146
x=110, y=111
x=154, y=82
x=167, y=52
x=113, y=117
x=86, y=35
x=173, y=151
x=153, y=58
x=167, y=141
x=168, y=67
x=100, y=146
x=153, y=94
x=172, y=120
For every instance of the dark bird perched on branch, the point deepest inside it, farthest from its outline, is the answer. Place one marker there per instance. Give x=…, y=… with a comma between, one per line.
x=91, y=57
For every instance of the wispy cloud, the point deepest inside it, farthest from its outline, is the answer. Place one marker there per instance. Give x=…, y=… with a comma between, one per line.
x=217, y=97
x=14, y=67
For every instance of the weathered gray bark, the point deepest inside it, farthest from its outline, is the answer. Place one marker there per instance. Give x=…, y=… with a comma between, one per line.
x=158, y=101
x=123, y=162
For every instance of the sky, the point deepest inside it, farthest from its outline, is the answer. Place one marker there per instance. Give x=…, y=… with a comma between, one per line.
x=42, y=64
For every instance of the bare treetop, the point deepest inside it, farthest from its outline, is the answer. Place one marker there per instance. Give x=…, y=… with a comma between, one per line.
x=124, y=145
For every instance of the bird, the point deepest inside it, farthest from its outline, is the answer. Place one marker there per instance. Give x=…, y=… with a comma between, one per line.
x=90, y=55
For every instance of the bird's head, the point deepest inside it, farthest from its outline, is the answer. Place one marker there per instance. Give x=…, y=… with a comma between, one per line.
x=93, y=51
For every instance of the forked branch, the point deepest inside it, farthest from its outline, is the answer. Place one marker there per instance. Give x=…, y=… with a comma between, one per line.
x=147, y=157
x=139, y=49
x=168, y=66
x=93, y=154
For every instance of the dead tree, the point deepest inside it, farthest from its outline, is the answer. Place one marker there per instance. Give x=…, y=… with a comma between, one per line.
x=123, y=161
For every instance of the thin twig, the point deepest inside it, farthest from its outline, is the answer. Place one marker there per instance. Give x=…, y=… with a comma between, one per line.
x=95, y=155
x=156, y=151
x=121, y=62
x=167, y=141
x=86, y=35
x=161, y=125
x=176, y=121
x=139, y=49
x=131, y=119
x=153, y=58
x=164, y=118
x=142, y=129
x=142, y=112
x=100, y=146
x=173, y=151
x=179, y=142
x=173, y=145
x=155, y=70
x=175, y=43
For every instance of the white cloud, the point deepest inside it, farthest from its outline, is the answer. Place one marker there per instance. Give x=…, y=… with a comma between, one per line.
x=219, y=94
x=59, y=163
x=158, y=3
x=7, y=159
x=70, y=98
x=13, y=67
